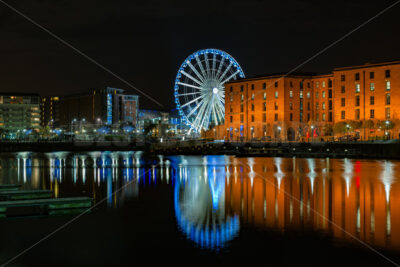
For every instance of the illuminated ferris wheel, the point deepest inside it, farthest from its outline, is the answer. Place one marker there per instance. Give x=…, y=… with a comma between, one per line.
x=199, y=87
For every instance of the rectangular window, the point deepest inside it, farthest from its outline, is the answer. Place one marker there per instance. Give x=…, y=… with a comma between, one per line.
x=231, y=98
x=231, y=118
x=308, y=95
x=330, y=105
x=290, y=93
x=276, y=117
x=276, y=84
x=308, y=85
x=343, y=89
x=357, y=76
x=317, y=84
x=387, y=99
x=308, y=106
x=323, y=83
x=252, y=96
x=372, y=114
x=264, y=85
x=343, y=115
x=372, y=86
x=330, y=117
x=301, y=94
x=252, y=107
x=231, y=89
x=387, y=73
x=291, y=116
x=316, y=94
x=231, y=109
x=343, y=77
x=323, y=116
x=290, y=105
x=372, y=100
x=241, y=118
x=252, y=118
x=291, y=84
x=357, y=114
x=301, y=85
x=241, y=88
x=387, y=85
x=357, y=100
x=317, y=106
x=241, y=107
x=357, y=87
x=387, y=113
x=276, y=106
x=371, y=75
x=323, y=105
x=276, y=94
x=252, y=87
x=308, y=117
x=316, y=116
x=242, y=97
x=264, y=117
x=329, y=83
x=323, y=94
x=265, y=96
x=330, y=93
x=264, y=106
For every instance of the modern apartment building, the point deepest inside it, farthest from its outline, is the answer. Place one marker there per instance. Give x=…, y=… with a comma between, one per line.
x=19, y=112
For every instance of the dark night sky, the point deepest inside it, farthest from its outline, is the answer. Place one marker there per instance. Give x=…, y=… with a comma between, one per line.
x=146, y=41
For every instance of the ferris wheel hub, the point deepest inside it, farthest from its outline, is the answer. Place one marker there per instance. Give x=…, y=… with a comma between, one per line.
x=215, y=90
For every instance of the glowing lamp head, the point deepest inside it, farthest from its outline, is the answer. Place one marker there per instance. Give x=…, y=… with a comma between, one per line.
x=215, y=90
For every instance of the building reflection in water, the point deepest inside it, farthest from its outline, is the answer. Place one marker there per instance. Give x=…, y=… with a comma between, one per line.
x=212, y=194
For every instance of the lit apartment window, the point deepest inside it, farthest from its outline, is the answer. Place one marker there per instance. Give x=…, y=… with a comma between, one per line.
x=317, y=106
x=317, y=84
x=372, y=100
x=387, y=85
x=252, y=107
x=308, y=95
x=387, y=99
x=357, y=114
x=252, y=97
x=357, y=76
x=276, y=94
x=264, y=106
x=290, y=93
x=371, y=75
x=242, y=97
x=264, y=85
x=291, y=116
x=323, y=105
x=387, y=113
x=301, y=94
x=265, y=96
x=231, y=98
x=276, y=117
x=372, y=86
x=372, y=114
x=343, y=77
x=264, y=117
x=357, y=87
x=323, y=116
x=343, y=114
x=387, y=73
x=357, y=100
x=323, y=94
x=323, y=83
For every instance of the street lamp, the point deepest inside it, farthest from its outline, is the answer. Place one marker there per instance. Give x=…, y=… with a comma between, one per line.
x=387, y=126
x=312, y=132
x=347, y=129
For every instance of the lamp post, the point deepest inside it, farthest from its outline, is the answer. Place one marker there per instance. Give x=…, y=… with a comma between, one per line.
x=312, y=133
x=386, y=129
x=347, y=129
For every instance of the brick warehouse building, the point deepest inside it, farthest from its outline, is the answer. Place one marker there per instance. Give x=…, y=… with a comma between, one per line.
x=360, y=100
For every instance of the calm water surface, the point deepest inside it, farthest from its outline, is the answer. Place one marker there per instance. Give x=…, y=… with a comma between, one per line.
x=211, y=209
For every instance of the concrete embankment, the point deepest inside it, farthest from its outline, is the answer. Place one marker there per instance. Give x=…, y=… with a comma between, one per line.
x=378, y=149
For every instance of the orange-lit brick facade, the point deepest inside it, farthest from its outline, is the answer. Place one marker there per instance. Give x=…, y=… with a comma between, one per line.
x=355, y=100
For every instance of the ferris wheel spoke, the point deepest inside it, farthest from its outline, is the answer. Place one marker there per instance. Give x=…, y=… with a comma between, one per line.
x=196, y=71
x=219, y=68
x=214, y=61
x=207, y=65
x=224, y=73
x=192, y=101
x=196, y=108
x=200, y=115
x=191, y=77
x=201, y=67
x=230, y=77
x=218, y=111
x=195, y=93
x=190, y=85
